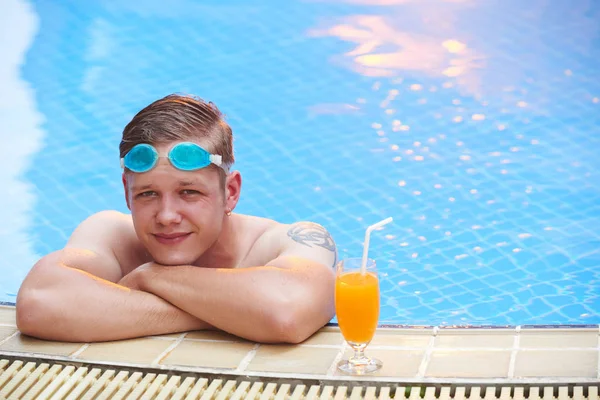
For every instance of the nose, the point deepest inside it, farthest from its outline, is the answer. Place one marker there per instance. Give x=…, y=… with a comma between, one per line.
x=168, y=213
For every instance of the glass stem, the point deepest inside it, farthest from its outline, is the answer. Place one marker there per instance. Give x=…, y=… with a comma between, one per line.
x=359, y=357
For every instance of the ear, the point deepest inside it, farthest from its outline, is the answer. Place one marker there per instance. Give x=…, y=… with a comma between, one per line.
x=124, y=179
x=233, y=187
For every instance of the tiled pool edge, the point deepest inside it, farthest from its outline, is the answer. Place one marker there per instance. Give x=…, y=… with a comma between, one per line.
x=424, y=343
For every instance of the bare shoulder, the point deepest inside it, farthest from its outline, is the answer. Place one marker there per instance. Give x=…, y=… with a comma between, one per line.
x=304, y=239
x=105, y=219
x=109, y=232
x=105, y=226
x=270, y=240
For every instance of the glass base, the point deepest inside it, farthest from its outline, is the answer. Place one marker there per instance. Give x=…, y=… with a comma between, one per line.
x=360, y=366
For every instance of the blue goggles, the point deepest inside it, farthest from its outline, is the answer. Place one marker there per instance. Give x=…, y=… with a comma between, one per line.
x=185, y=156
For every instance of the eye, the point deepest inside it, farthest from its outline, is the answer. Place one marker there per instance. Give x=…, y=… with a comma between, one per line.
x=149, y=193
x=190, y=192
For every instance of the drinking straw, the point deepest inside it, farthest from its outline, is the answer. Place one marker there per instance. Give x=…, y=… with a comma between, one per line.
x=363, y=267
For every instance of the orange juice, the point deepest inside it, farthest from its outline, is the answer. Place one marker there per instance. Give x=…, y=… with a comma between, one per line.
x=357, y=305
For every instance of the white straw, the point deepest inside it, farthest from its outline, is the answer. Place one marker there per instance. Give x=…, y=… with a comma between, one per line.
x=363, y=267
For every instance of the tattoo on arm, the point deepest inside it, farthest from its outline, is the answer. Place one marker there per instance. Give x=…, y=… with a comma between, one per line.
x=311, y=234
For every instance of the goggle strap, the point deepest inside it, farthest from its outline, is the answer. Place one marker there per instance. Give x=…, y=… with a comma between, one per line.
x=216, y=159
x=122, y=163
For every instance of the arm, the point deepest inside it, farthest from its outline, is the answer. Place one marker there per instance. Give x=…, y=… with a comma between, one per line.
x=72, y=295
x=286, y=300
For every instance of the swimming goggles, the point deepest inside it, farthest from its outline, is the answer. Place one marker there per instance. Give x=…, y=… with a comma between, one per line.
x=185, y=156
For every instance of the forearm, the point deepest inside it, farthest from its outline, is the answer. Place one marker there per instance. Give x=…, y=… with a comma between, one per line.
x=264, y=304
x=217, y=297
x=71, y=305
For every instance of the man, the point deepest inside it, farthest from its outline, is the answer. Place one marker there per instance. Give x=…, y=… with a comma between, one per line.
x=182, y=260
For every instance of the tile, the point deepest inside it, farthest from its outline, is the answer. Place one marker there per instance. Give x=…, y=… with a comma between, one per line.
x=6, y=331
x=468, y=364
x=400, y=339
x=134, y=351
x=487, y=340
x=294, y=359
x=396, y=363
x=558, y=339
x=575, y=363
x=8, y=316
x=214, y=335
x=208, y=354
x=326, y=338
x=27, y=344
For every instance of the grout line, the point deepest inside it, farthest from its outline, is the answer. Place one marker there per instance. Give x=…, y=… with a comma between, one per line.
x=11, y=325
x=333, y=367
x=427, y=355
x=247, y=359
x=513, y=354
x=80, y=350
x=8, y=338
x=168, y=350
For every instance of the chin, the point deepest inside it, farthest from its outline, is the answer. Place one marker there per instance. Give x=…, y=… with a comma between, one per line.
x=173, y=260
x=172, y=255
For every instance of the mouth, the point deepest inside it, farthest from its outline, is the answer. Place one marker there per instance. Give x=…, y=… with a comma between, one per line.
x=171, y=238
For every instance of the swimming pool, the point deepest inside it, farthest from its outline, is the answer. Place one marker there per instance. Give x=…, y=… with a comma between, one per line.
x=476, y=125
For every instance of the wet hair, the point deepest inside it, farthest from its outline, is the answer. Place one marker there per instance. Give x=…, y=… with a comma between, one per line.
x=181, y=117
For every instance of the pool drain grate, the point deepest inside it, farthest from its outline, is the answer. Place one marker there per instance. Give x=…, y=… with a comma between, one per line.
x=41, y=380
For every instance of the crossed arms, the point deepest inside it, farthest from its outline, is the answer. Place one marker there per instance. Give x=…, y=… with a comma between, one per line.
x=79, y=293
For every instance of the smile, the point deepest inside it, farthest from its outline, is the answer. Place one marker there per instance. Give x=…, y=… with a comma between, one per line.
x=171, y=238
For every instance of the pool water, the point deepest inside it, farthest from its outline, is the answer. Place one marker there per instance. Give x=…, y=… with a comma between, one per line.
x=474, y=124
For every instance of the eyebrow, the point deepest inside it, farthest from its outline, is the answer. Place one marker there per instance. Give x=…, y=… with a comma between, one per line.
x=143, y=187
x=181, y=183
x=187, y=183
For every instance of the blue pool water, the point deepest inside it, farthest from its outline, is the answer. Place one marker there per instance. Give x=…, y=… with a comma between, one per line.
x=474, y=124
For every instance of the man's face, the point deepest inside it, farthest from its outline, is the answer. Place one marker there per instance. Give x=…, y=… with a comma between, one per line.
x=177, y=215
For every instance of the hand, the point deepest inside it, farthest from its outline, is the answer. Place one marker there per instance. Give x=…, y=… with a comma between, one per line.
x=135, y=279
